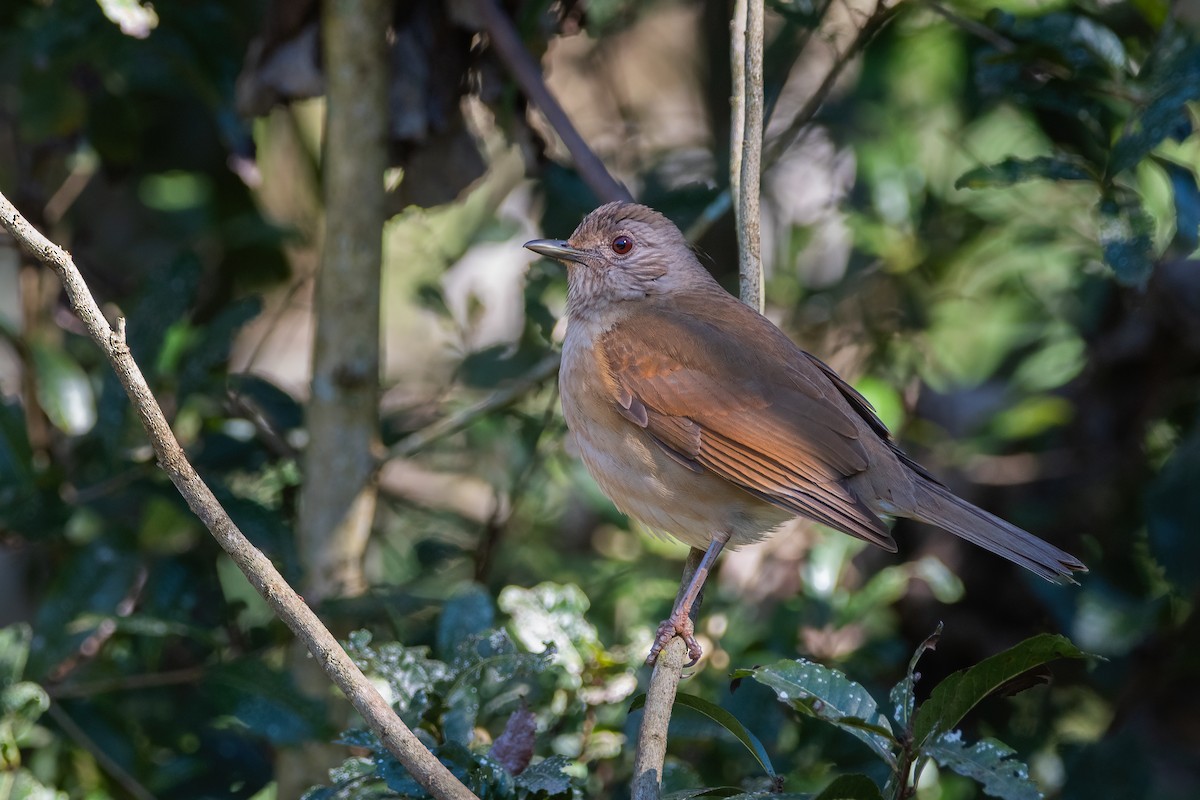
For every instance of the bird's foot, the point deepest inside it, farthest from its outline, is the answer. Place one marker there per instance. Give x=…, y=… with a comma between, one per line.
x=678, y=624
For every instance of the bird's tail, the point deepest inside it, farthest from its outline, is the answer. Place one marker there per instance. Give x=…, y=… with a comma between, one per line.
x=938, y=506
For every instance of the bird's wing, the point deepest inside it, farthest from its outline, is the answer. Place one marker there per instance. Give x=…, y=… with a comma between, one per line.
x=755, y=410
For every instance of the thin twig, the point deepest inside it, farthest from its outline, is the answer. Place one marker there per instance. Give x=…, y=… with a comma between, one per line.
x=724, y=201
x=288, y=606
x=528, y=75
x=749, y=177
x=660, y=697
x=107, y=763
x=737, y=105
x=453, y=423
x=878, y=19
x=1001, y=43
x=126, y=683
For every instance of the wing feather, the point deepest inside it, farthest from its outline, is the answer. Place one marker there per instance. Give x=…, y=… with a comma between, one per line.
x=713, y=403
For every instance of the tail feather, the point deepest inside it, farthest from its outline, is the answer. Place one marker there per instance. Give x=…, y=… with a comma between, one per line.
x=938, y=506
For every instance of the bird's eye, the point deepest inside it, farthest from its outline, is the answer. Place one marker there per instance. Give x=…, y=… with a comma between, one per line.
x=622, y=245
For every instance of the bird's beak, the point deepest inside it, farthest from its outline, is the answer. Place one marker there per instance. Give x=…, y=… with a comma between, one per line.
x=556, y=249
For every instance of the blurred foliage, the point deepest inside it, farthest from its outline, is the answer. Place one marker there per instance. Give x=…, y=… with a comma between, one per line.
x=1019, y=295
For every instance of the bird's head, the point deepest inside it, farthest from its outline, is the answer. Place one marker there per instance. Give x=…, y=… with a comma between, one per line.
x=622, y=252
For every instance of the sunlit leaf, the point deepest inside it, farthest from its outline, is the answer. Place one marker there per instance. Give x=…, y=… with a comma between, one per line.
x=552, y=613
x=828, y=695
x=989, y=763
x=63, y=389
x=959, y=693
x=133, y=18
x=546, y=777
x=903, y=694
x=1174, y=83
x=14, y=652
x=21, y=784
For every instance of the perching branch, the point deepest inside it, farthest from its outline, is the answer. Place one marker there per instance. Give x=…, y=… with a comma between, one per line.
x=745, y=172
x=660, y=698
x=528, y=75
x=266, y=580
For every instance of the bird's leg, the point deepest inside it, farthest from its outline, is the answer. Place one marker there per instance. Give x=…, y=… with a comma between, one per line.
x=680, y=621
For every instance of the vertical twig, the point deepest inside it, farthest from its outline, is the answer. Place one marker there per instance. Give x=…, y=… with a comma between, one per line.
x=107, y=763
x=745, y=177
x=737, y=109
x=745, y=173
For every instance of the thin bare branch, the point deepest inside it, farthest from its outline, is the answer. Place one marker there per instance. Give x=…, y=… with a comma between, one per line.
x=453, y=423
x=879, y=17
x=737, y=107
x=107, y=763
x=749, y=176
x=528, y=75
x=660, y=697
x=259, y=570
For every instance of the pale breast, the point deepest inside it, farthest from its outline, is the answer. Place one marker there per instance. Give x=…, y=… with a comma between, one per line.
x=638, y=475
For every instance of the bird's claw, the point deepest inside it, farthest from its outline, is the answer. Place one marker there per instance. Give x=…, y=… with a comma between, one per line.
x=678, y=624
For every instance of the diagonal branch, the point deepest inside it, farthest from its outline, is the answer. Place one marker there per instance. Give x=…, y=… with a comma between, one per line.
x=528, y=75
x=259, y=570
x=879, y=17
x=876, y=21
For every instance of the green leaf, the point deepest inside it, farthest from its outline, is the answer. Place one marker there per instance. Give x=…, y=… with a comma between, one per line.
x=494, y=663
x=830, y=696
x=14, y=652
x=708, y=791
x=989, y=763
x=409, y=671
x=133, y=18
x=1073, y=39
x=959, y=693
x=63, y=389
x=903, y=694
x=547, y=777
x=851, y=787
x=468, y=613
x=209, y=352
x=21, y=784
x=266, y=701
x=723, y=718
x=1126, y=239
x=1172, y=507
x=1187, y=202
x=552, y=613
x=1174, y=83
x=21, y=704
x=1017, y=170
